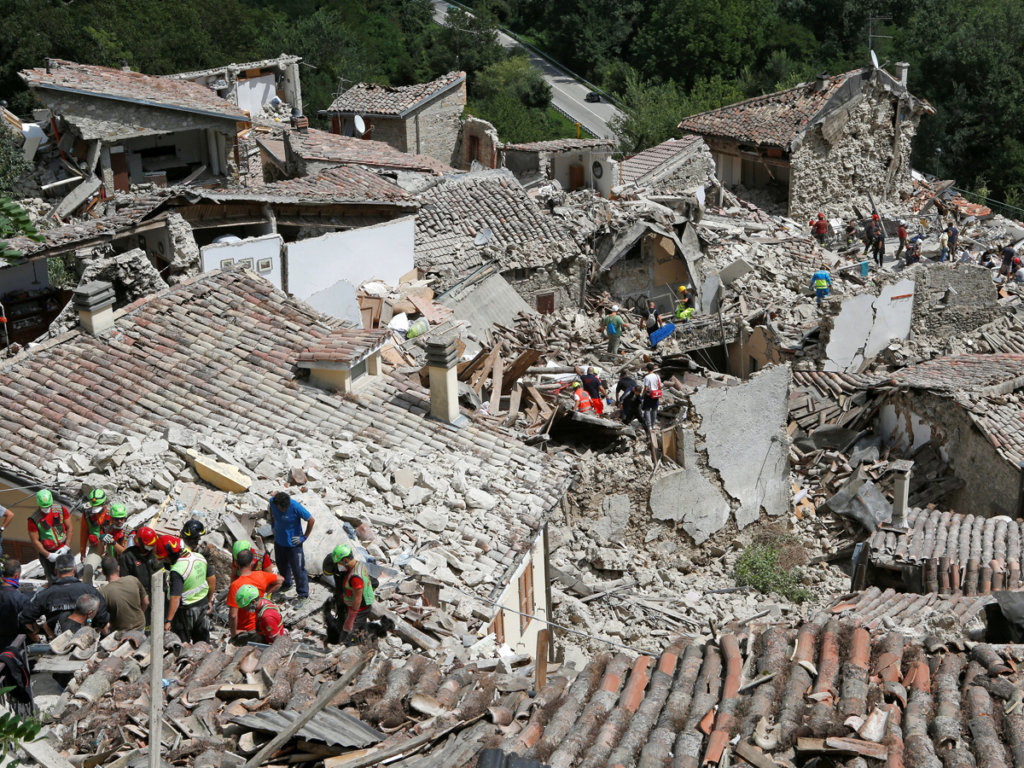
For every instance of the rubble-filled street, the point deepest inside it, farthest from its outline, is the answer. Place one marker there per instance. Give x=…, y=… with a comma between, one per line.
x=323, y=452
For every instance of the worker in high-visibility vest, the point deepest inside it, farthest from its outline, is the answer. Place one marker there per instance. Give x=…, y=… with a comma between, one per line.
x=353, y=595
x=581, y=399
x=189, y=588
x=821, y=282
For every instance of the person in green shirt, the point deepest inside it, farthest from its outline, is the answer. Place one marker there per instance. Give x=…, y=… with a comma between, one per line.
x=613, y=327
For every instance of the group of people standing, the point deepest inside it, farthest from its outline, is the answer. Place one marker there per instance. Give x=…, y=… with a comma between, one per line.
x=128, y=559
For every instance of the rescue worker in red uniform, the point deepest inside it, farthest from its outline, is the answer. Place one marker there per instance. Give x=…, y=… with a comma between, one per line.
x=819, y=228
x=269, y=624
x=95, y=538
x=50, y=531
x=581, y=399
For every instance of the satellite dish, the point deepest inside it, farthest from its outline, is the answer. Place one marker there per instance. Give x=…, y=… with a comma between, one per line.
x=874, y=60
x=483, y=237
x=597, y=169
x=360, y=125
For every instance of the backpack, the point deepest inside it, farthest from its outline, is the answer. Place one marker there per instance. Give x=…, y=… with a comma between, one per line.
x=610, y=328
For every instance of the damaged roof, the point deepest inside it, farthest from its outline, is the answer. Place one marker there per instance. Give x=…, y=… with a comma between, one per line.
x=634, y=169
x=976, y=374
x=131, y=87
x=314, y=145
x=947, y=552
x=561, y=145
x=457, y=212
x=391, y=101
x=779, y=119
x=218, y=353
x=342, y=184
x=915, y=615
x=130, y=210
x=280, y=61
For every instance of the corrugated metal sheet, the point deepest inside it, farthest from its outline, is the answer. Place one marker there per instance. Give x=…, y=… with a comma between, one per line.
x=331, y=726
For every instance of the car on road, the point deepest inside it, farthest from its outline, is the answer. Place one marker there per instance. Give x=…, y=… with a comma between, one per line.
x=592, y=96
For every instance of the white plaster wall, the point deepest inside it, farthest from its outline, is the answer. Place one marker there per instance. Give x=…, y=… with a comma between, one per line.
x=866, y=324
x=255, y=92
x=383, y=252
x=893, y=429
x=339, y=300
x=255, y=248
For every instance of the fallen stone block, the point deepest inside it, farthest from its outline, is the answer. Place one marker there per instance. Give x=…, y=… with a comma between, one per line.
x=220, y=475
x=607, y=559
x=480, y=499
x=180, y=436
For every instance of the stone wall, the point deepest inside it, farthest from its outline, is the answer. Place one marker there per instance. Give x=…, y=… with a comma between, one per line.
x=390, y=130
x=832, y=176
x=437, y=125
x=990, y=481
x=952, y=300
x=485, y=145
x=562, y=279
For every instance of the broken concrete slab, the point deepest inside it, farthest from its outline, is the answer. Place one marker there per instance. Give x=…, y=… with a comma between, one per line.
x=734, y=271
x=685, y=496
x=221, y=475
x=744, y=430
x=616, y=517
x=866, y=324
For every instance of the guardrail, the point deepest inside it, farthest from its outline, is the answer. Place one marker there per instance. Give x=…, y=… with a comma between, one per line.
x=553, y=62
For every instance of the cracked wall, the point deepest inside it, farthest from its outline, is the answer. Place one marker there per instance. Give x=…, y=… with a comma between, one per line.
x=862, y=147
x=735, y=459
x=866, y=324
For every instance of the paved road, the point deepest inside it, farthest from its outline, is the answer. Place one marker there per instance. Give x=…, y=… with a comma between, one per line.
x=567, y=94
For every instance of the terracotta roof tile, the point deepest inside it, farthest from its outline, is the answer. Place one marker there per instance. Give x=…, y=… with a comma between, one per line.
x=373, y=99
x=345, y=345
x=342, y=184
x=348, y=150
x=109, y=83
x=963, y=373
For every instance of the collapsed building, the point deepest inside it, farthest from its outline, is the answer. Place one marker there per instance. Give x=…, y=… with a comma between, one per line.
x=810, y=146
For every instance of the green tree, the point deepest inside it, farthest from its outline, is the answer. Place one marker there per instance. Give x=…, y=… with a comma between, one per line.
x=12, y=160
x=516, y=77
x=464, y=42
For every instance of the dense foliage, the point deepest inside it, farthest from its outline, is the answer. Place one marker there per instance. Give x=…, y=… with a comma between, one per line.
x=663, y=59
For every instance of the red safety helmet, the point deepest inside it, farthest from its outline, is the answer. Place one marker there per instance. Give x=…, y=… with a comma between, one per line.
x=146, y=536
x=166, y=546
x=821, y=215
x=874, y=216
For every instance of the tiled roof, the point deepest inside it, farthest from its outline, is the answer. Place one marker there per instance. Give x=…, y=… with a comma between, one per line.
x=373, y=99
x=117, y=84
x=774, y=119
x=779, y=695
x=343, y=184
x=908, y=612
x=947, y=552
x=458, y=208
x=826, y=397
x=1002, y=422
x=217, y=354
x=348, y=150
x=639, y=165
x=561, y=145
x=133, y=211
x=345, y=345
x=975, y=374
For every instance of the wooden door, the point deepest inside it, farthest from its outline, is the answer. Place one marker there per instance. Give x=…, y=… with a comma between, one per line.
x=575, y=177
x=119, y=165
x=545, y=303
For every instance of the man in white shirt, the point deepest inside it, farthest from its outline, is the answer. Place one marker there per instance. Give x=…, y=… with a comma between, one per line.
x=651, y=398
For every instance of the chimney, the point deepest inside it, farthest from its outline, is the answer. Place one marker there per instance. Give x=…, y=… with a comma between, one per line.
x=901, y=492
x=901, y=72
x=124, y=66
x=442, y=357
x=821, y=81
x=95, y=304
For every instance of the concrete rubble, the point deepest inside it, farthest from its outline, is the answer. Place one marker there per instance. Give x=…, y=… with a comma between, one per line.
x=776, y=413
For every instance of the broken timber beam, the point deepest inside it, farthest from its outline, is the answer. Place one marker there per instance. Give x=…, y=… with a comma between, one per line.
x=326, y=696
x=405, y=629
x=519, y=366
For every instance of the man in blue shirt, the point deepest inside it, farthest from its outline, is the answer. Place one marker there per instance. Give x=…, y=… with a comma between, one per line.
x=286, y=516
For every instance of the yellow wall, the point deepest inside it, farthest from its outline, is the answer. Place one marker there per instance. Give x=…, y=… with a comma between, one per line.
x=519, y=641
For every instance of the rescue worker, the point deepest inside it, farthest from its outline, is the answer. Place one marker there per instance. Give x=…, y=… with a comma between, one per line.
x=189, y=588
x=851, y=232
x=265, y=582
x=116, y=536
x=613, y=328
x=58, y=600
x=627, y=396
x=591, y=382
x=12, y=602
x=581, y=400
x=50, y=531
x=96, y=527
x=684, y=307
x=259, y=562
x=268, y=622
x=286, y=516
x=353, y=596
x=651, y=390
x=821, y=282
x=138, y=559
x=819, y=228
x=191, y=533
x=901, y=233
x=652, y=320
